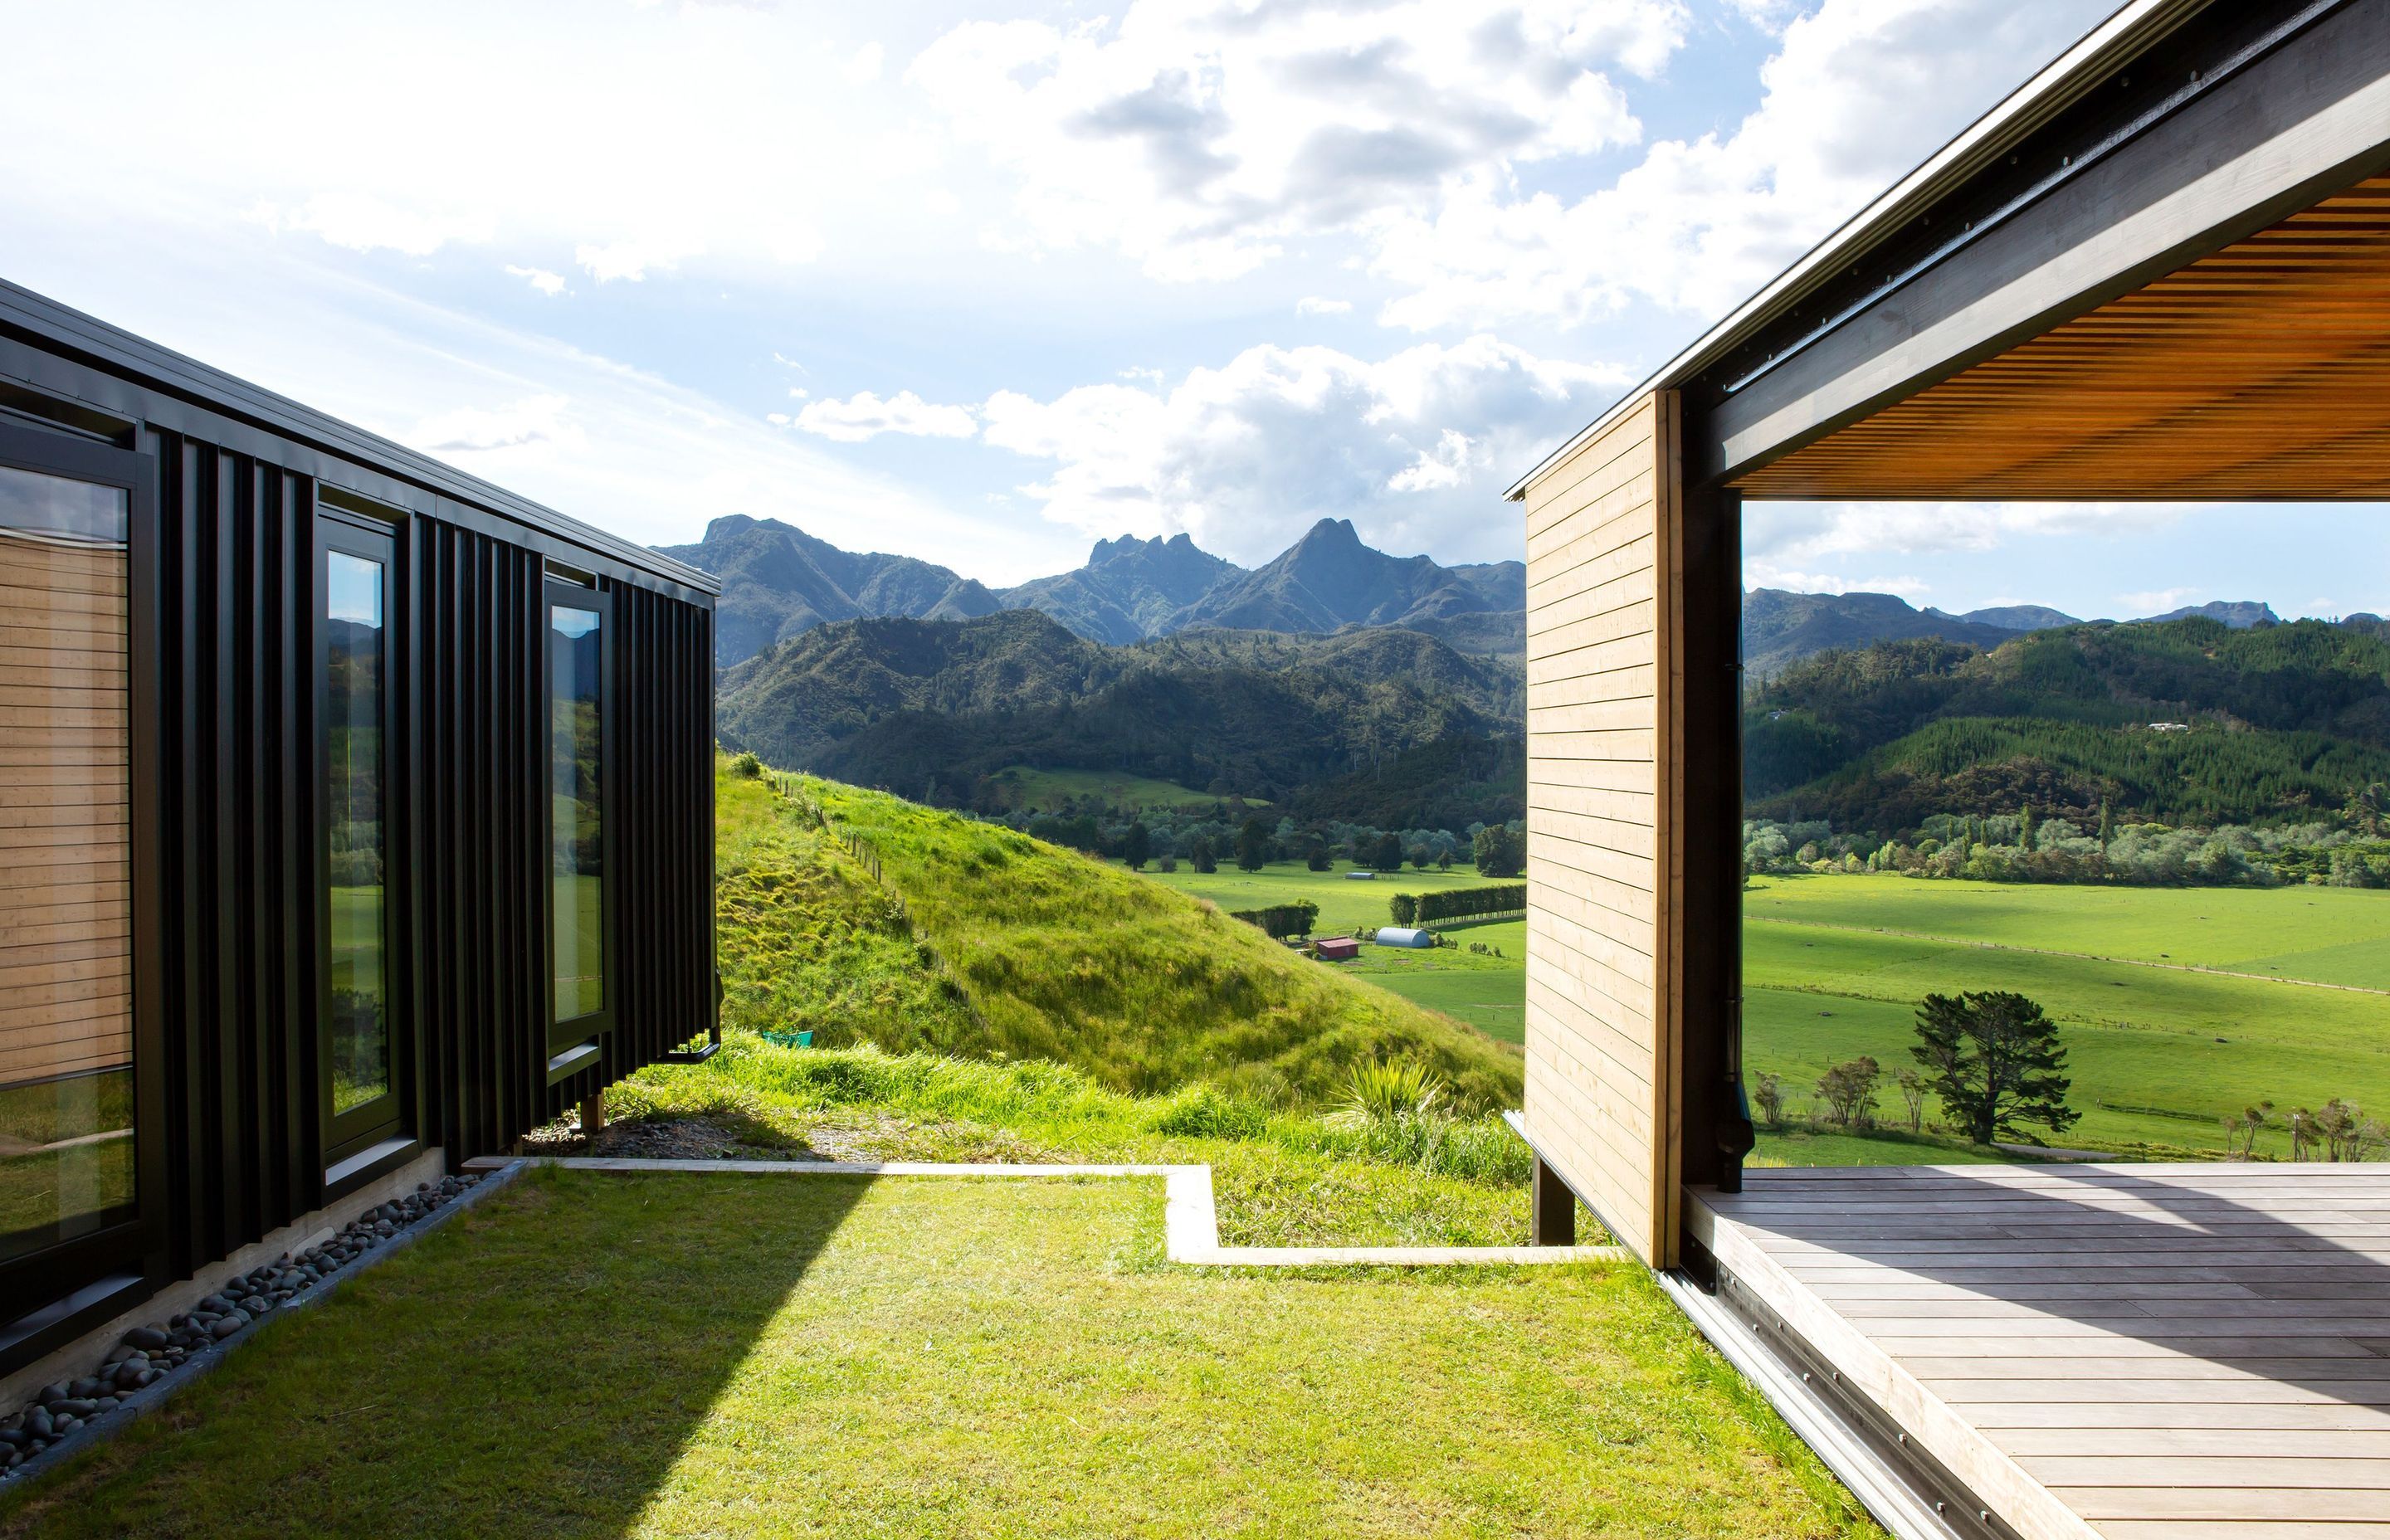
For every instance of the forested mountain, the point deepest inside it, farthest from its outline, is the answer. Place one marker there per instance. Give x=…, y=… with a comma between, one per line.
x=2184, y=720
x=1329, y=580
x=1779, y=628
x=1129, y=589
x=932, y=708
x=778, y=581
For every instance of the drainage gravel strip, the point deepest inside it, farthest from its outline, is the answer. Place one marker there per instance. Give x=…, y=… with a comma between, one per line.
x=153, y=1361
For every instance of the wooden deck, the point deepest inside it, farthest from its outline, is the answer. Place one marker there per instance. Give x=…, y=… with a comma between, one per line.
x=2124, y=1351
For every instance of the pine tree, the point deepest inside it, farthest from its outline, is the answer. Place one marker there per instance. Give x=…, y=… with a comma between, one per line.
x=1994, y=1060
x=1137, y=848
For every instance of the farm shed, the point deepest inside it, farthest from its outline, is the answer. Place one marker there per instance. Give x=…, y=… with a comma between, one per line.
x=2159, y=271
x=1360, y=877
x=1338, y=949
x=1404, y=935
x=358, y=817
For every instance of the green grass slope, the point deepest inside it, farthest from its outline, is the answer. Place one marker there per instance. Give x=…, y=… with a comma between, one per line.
x=1071, y=959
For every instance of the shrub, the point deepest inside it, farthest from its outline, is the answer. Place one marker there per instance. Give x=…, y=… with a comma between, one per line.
x=747, y=768
x=1280, y=919
x=1405, y=907
x=1383, y=1090
x=1204, y=1111
x=1500, y=898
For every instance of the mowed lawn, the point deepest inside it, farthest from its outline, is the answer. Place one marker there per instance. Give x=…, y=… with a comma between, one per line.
x=1488, y=992
x=824, y=1356
x=1834, y=964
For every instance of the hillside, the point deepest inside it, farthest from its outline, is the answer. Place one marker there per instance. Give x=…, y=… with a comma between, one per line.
x=778, y=581
x=1060, y=957
x=2275, y=722
x=927, y=707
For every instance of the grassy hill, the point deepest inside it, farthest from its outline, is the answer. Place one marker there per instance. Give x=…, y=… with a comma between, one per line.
x=1056, y=956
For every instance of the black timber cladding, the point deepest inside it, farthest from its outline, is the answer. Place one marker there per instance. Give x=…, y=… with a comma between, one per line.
x=228, y=939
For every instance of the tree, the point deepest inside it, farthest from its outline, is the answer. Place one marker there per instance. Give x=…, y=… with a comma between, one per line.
x=1137, y=847
x=1994, y=1060
x=2346, y=1132
x=1253, y=846
x=1386, y=853
x=1199, y=857
x=1419, y=857
x=1912, y=1098
x=1849, y=1091
x=1768, y=1092
x=1316, y=856
x=1500, y=851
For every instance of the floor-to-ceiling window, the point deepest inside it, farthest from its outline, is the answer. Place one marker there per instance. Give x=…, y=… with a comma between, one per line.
x=67, y=1123
x=361, y=1061
x=576, y=646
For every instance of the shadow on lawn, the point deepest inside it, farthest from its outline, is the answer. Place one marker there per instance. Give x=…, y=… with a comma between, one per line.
x=536, y=1368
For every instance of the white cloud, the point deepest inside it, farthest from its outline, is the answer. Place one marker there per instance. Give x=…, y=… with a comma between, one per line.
x=1763, y=574
x=548, y=283
x=865, y=416
x=1199, y=137
x=1860, y=92
x=863, y=67
x=536, y=420
x=1312, y=304
x=1246, y=456
x=1800, y=534
x=2155, y=601
x=363, y=222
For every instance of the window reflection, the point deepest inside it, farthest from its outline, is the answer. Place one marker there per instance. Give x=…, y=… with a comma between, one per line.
x=575, y=830
x=354, y=591
x=66, y=992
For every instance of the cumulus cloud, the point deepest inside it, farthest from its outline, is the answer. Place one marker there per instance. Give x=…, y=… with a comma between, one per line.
x=548, y=283
x=865, y=416
x=1795, y=535
x=1312, y=304
x=1246, y=456
x=1858, y=94
x=1763, y=574
x=1199, y=137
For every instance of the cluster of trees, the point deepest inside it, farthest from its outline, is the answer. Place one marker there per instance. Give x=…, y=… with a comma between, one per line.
x=2338, y=1129
x=1500, y=898
x=2024, y=847
x=1206, y=837
x=1280, y=919
x=1991, y=1056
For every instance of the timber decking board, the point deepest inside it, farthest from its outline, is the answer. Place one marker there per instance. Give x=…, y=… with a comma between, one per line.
x=2125, y=1352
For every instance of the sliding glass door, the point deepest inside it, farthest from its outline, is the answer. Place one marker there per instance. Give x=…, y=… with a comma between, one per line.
x=360, y=1037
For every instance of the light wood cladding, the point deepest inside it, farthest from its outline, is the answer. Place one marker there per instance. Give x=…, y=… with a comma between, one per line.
x=65, y=890
x=2262, y=371
x=1601, y=1087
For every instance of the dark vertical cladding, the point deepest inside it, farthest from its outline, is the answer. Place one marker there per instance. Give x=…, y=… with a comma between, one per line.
x=237, y=954
x=664, y=765
x=232, y=921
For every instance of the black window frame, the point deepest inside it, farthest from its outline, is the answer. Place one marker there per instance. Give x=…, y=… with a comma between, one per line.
x=574, y=1043
x=390, y=1116
x=49, y=1295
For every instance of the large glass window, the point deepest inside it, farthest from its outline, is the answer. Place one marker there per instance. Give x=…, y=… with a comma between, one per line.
x=66, y=988
x=577, y=660
x=356, y=653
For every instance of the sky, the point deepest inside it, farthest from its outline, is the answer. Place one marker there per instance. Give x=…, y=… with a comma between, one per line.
x=985, y=282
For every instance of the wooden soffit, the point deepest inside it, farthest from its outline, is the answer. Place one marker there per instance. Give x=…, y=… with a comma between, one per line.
x=2260, y=372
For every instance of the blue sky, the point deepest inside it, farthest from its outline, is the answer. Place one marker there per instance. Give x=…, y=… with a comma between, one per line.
x=983, y=282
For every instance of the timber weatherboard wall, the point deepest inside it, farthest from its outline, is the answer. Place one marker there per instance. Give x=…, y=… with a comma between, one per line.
x=228, y=936
x=1601, y=1100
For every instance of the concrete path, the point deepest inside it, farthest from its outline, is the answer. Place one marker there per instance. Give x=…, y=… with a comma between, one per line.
x=1190, y=1220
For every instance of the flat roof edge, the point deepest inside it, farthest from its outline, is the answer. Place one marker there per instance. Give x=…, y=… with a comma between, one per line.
x=2129, y=30
x=47, y=321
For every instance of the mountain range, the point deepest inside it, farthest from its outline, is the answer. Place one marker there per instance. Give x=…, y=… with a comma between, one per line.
x=1779, y=628
x=778, y=581
x=937, y=710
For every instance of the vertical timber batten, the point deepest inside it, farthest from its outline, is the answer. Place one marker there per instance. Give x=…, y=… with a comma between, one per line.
x=1606, y=821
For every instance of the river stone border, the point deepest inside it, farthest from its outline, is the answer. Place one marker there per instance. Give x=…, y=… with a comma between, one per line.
x=189, y=1345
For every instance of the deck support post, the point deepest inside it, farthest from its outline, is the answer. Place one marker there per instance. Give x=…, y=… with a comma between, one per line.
x=593, y=1114
x=1551, y=1207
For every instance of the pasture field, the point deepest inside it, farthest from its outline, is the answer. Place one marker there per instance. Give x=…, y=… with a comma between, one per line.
x=1344, y=904
x=1026, y=786
x=2159, y=1053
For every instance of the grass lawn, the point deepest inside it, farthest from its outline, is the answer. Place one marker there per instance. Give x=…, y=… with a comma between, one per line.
x=1026, y=786
x=678, y=1356
x=2159, y=1054
x=1344, y=904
